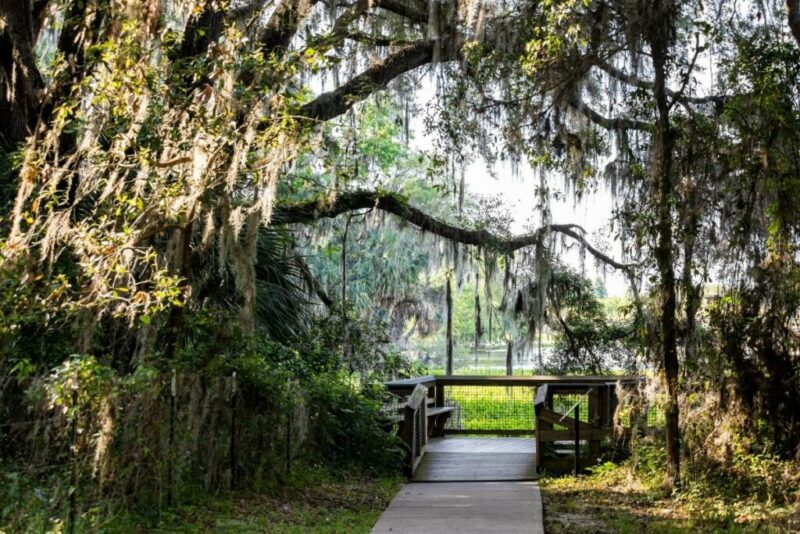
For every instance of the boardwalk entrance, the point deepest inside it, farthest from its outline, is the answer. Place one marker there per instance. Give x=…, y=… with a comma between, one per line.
x=477, y=459
x=555, y=423
x=475, y=445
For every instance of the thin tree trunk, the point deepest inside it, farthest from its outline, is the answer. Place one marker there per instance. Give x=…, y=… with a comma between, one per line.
x=490, y=311
x=478, y=326
x=449, y=304
x=663, y=182
x=691, y=293
x=509, y=358
x=793, y=16
x=21, y=85
x=345, y=326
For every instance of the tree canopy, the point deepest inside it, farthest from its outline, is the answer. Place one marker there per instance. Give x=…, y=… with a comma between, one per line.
x=185, y=182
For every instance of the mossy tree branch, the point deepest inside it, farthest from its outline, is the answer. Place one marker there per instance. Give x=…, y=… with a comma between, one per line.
x=313, y=210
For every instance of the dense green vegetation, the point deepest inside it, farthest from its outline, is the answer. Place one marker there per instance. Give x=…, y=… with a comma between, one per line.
x=224, y=223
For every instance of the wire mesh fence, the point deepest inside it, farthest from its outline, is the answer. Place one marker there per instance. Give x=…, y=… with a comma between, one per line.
x=565, y=402
x=491, y=409
x=509, y=410
x=89, y=445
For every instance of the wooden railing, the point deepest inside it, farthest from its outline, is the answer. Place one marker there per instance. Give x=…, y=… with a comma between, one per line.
x=439, y=405
x=414, y=430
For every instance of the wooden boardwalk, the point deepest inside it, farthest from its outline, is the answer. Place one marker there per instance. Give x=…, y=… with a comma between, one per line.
x=473, y=459
x=469, y=485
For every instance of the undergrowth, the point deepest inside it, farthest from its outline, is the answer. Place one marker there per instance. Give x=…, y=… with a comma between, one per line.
x=757, y=493
x=309, y=501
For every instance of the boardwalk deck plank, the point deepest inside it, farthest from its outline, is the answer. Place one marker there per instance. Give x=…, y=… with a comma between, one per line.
x=470, y=486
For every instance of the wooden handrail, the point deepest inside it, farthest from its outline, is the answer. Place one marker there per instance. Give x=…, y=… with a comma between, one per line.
x=532, y=380
x=409, y=383
x=417, y=397
x=541, y=398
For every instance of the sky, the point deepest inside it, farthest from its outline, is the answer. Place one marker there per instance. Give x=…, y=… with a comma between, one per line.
x=515, y=188
x=593, y=213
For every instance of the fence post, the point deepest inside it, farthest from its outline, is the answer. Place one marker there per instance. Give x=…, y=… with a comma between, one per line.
x=73, y=489
x=233, y=433
x=173, y=391
x=577, y=439
x=289, y=413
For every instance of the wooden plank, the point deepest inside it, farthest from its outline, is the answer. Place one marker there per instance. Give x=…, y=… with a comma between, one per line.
x=490, y=432
x=568, y=435
x=456, y=507
x=479, y=445
x=556, y=418
x=409, y=383
x=442, y=466
x=532, y=380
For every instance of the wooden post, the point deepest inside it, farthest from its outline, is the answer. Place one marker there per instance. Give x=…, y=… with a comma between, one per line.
x=233, y=434
x=537, y=429
x=439, y=394
x=407, y=436
x=595, y=420
x=73, y=494
x=577, y=458
x=449, y=304
x=173, y=390
x=539, y=402
x=412, y=412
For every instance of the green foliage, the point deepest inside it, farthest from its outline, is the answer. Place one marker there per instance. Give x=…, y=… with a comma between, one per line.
x=588, y=339
x=347, y=431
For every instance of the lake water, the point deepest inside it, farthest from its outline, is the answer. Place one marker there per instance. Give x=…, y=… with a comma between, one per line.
x=486, y=361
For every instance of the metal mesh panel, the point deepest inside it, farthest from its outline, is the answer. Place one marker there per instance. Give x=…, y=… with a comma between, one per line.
x=563, y=402
x=653, y=414
x=656, y=417
x=419, y=432
x=491, y=409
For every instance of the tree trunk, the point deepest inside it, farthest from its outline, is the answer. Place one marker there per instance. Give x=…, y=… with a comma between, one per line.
x=449, y=304
x=21, y=85
x=692, y=293
x=478, y=326
x=509, y=358
x=490, y=310
x=793, y=16
x=662, y=179
x=345, y=326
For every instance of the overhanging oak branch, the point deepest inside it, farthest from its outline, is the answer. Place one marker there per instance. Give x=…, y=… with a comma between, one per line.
x=793, y=15
x=313, y=210
x=336, y=102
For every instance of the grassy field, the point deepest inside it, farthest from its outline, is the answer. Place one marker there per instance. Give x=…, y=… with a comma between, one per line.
x=491, y=407
x=312, y=503
x=614, y=501
x=501, y=407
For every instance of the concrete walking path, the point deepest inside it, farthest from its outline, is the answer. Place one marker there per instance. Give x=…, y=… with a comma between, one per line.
x=464, y=507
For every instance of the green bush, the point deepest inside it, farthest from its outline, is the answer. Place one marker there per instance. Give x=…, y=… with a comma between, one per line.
x=346, y=428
